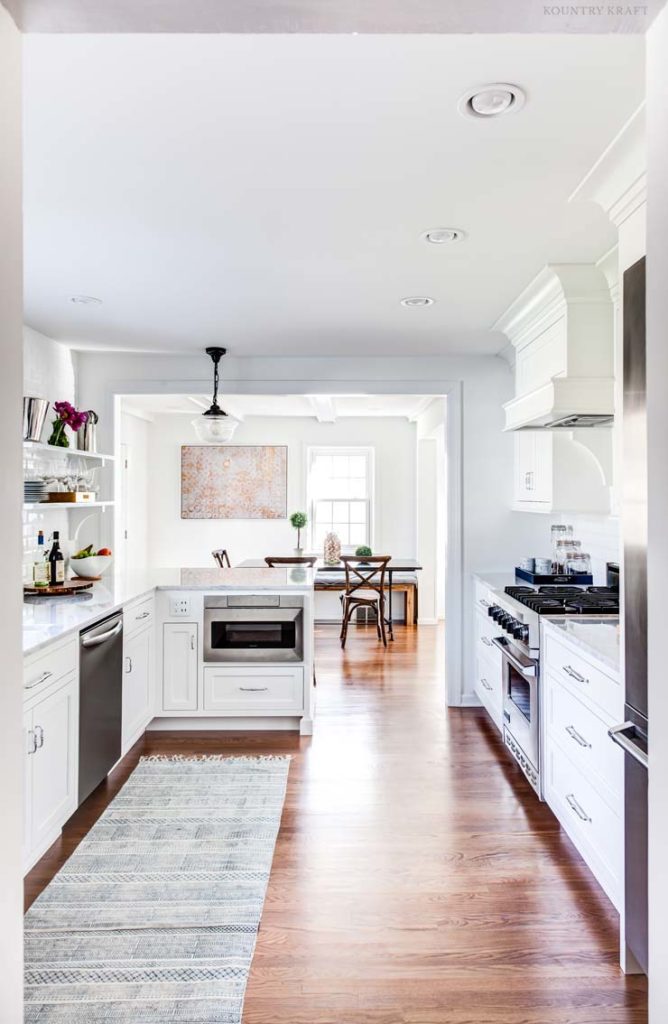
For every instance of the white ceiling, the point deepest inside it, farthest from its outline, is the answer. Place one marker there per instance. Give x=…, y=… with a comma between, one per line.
x=268, y=193
x=329, y=16
x=325, y=408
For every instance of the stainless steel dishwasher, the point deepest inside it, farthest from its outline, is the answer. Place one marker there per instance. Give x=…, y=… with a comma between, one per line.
x=100, y=701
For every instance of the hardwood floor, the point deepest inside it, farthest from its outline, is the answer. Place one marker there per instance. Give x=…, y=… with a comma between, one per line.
x=417, y=880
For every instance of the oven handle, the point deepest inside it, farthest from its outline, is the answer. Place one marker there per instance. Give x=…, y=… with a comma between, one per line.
x=525, y=670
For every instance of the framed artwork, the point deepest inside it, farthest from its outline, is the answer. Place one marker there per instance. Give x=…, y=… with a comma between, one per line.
x=234, y=481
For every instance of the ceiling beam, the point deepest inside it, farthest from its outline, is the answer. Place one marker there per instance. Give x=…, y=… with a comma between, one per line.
x=323, y=407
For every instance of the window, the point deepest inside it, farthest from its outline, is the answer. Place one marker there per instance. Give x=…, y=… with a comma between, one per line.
x=340, y=495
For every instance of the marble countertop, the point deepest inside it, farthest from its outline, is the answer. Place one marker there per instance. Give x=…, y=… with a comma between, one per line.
x=496, y=580
x=46, y=619
x=598, y=637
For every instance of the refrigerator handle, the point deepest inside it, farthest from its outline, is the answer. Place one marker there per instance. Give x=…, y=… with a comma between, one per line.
x=618, y=735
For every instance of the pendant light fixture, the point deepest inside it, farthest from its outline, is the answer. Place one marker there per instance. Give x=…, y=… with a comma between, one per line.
x=214, y=426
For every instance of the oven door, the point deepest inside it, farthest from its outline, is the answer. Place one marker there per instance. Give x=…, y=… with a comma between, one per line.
x=520, y=708
x=253, y=634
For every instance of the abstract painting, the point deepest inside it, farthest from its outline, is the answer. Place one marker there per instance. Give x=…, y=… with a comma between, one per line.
x=234, y=481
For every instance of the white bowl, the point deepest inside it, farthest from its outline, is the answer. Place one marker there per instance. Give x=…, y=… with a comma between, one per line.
x=94, y=565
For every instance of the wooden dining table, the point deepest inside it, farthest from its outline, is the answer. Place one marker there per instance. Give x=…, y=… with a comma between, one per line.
x=395, y=565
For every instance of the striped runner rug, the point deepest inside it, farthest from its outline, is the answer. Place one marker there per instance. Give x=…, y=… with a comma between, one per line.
x=153, y=920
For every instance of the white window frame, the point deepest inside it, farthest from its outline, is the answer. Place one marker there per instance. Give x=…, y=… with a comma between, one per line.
x=369, y=453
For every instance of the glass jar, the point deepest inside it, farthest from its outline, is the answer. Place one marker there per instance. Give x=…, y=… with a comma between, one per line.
x=579, y=563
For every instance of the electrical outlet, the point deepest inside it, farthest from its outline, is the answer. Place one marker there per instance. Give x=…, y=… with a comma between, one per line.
x=179, y=606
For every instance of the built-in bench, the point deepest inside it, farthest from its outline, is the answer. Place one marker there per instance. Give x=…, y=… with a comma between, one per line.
x=402, y=583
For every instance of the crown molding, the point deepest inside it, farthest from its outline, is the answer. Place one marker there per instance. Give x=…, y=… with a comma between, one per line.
x=617, y=181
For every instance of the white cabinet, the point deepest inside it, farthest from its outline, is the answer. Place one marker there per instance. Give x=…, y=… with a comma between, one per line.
x=533, y=467
x=256, y=690
x=51, y=726
x=583, y=776
x=138, y=689
x=488, y=663
x=562, y=471
x=179, y=666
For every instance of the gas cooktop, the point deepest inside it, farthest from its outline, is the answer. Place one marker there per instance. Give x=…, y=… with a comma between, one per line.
x=567, y=600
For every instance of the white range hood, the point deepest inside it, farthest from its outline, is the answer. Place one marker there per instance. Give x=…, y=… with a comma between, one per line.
x=562, y=333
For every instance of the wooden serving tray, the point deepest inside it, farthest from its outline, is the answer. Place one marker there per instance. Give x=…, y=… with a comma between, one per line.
x=68, y=587
x=69, y=497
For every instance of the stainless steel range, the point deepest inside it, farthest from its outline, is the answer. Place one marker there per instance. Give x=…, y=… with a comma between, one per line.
x=517, y=612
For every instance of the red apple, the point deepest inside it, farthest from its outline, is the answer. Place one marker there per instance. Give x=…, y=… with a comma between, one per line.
x=104, y=551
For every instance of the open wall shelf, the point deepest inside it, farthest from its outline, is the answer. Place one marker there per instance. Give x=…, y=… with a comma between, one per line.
x=40, y=448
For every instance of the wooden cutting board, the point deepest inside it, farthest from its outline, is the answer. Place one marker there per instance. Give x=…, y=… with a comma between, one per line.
x=61, y=589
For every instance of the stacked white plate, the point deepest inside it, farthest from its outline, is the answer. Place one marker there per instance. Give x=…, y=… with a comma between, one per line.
x=34, y=490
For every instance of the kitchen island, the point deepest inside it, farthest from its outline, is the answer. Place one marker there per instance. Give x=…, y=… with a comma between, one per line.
x=215, y=649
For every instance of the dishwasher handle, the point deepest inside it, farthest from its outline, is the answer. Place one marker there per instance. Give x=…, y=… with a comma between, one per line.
x=101, y=638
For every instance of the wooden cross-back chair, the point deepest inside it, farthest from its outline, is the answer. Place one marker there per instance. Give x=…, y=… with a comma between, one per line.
x=277, y=560
x=222, y=558
x=365, y=588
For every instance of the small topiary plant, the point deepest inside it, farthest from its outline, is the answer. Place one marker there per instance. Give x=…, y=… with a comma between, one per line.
x=299, y=521
x=364, y=551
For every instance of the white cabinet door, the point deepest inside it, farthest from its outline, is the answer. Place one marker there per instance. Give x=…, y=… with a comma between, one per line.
x=54, y=763
x=524, y=464
x=137, y=685
x=533, y=466
x=179, y=666
x=541, y=479
x=28, y=750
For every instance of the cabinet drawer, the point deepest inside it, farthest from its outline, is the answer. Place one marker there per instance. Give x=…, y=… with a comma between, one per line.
x=584, y=737
x=138, y=615
x=484, y=598
x=485, y=630
x=594, y=827
x=50, y=665
x=569, y=667
x=488, y=688
x=248, y=691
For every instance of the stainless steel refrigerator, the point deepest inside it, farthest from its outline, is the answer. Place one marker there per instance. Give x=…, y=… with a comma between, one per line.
x=632, y=734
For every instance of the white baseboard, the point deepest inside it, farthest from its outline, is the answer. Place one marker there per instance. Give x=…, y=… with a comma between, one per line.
x=225, y=724
x=467, y=700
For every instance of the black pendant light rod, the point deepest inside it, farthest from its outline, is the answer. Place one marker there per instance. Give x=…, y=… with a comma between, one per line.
x=216, y=355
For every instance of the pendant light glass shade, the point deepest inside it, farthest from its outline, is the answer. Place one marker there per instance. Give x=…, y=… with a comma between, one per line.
x=214, y=426
x=215, y=429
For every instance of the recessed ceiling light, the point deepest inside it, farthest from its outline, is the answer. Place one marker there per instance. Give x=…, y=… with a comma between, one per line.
x=493, y=100
x=85, y=300
x=417, y=300
x=441, y=236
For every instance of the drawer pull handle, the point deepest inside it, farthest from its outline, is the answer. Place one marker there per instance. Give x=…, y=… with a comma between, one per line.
x=40, y=679
x=485, y=603
x=486, y=684
x=128, y=664
x=254, y=689
x=570, y=671
x=575, y=806
x=575, y=735
x=39, y=737
x=487, y=642
x=192, y=641
x=33, y=741
x=144, y=615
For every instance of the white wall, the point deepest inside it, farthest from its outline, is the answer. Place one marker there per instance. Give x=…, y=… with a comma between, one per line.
x=176, y=542
x=11, y=691
x=657, y=568
x=134, y=484
x=49, y=370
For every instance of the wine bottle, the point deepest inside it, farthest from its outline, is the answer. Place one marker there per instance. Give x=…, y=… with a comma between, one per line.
x=56, y=561
x=40, y=569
